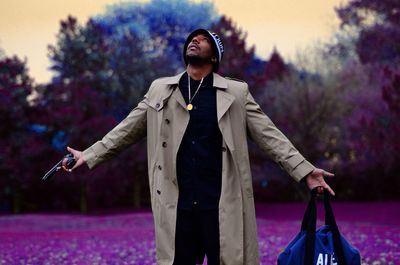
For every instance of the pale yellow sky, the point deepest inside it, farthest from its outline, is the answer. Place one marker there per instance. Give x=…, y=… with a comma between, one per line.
x=28, y=26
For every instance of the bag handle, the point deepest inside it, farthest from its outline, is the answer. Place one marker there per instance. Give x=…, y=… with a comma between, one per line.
x=331, y=221
x=309, y=224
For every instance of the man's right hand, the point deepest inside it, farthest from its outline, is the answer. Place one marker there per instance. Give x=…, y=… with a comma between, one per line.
x=78, y=156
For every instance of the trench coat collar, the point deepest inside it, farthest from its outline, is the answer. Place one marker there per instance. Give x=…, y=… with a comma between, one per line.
x=224, y=99
x=218, y=81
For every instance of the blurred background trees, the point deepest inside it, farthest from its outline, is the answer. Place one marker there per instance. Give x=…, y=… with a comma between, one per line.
x=15, y=87
x=339, y=103
x=373, y=123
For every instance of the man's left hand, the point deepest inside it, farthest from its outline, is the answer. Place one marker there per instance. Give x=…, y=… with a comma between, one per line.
x=316, y=179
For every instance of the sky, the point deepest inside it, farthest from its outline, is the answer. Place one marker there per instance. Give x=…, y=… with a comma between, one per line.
x=27, y=27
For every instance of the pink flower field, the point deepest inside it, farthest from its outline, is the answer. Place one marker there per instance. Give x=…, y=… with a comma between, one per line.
x=128, y=238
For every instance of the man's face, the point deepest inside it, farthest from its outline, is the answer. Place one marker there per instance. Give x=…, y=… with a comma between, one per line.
x=200, y=48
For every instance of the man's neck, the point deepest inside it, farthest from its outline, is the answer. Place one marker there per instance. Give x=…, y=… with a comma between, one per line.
x=198, y=72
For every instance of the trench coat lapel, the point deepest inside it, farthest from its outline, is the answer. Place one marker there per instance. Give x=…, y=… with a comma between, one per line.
x=176, y=94
x=224, y=102
x=224, y=99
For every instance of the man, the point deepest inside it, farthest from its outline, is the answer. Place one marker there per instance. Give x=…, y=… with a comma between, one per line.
x=197, y=124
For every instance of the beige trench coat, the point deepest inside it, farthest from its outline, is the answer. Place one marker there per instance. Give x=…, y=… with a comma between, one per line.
x=163, y=118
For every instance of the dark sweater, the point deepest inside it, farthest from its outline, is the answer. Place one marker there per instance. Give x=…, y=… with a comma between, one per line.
x=199, y=159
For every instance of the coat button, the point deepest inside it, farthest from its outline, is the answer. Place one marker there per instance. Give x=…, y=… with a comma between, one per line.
x=223, y=149
x=158, y=192
x=164, y=144
x=157, y=105
x=159, y=167
x=167, y=121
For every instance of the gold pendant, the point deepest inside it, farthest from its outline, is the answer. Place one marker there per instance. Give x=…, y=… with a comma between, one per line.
x=189, y=106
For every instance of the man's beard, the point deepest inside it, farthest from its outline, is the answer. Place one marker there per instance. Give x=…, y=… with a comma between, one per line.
x=196, y=60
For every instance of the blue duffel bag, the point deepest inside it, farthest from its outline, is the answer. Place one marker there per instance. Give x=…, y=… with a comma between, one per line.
x=326, y=246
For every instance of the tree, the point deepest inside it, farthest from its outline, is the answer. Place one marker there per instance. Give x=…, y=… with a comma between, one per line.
x=15, y=86
x=373, y=128
x=371, y=125
x=276, y=67
x=72, y=116
x=391, y=89
x=378, y=25
x=83, y=53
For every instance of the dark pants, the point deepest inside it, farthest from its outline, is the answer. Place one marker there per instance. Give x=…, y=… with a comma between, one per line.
x=197, y=233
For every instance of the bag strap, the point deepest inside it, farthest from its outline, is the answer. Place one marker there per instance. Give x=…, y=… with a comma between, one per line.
x=308, y=215
x=331, y=221
x=309, y=224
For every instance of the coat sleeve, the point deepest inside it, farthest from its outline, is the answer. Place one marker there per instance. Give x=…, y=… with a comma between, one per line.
x=127, y=132
x=273, y=142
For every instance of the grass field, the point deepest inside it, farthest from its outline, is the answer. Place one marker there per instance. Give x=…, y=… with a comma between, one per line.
x=128, y=238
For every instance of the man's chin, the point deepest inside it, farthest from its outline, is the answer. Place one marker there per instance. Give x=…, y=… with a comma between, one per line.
x=192, y=54
x=197, y=60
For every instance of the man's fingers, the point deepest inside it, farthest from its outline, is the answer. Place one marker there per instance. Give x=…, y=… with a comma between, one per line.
x=66, y=169
x=77, y=164
x=64, y=162
x=326, y=186
x=72, y=151
x=328, y=174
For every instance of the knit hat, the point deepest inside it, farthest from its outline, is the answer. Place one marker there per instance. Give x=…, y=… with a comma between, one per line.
x=216, y=42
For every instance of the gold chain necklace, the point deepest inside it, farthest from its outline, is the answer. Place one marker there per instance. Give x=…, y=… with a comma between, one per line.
x=190, y=105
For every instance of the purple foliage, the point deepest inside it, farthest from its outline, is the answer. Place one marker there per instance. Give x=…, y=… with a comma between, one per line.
x=15, y=86
x=372, y=133
x=77, y=114
x=378, y=23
